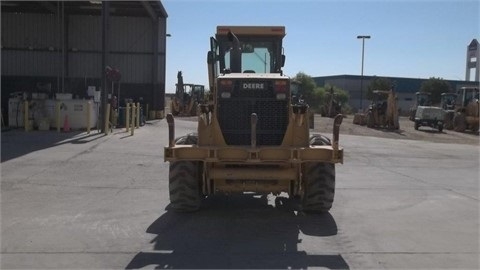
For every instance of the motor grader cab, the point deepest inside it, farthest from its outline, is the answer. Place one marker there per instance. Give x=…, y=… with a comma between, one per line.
x=447, y=102
x=421, y=99
x=187, y=97
x=467, y=110
x=251, y=137
x=383, y=112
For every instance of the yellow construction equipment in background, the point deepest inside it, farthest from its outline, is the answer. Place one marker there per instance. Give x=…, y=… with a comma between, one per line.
x=187, y=97
x=382, y=111
x=467, y=110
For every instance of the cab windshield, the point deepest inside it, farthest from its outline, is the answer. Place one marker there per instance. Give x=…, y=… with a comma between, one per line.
x=256, y=56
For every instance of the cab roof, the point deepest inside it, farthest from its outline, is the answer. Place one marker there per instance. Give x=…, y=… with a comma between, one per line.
x=252, y=30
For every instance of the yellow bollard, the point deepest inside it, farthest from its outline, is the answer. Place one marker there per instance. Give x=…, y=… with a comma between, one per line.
x=25, y=116
x=57, y=113
x=133, y=118
x=107, y=118
x=89, y=107
x=127, y=116
x=137, y=119
x=146, y=113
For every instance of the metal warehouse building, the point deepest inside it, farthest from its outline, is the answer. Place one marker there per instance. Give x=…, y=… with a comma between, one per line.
x=404, y=87
x=65, y=47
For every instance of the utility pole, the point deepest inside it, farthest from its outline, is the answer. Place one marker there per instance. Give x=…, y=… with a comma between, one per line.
x=361, y=77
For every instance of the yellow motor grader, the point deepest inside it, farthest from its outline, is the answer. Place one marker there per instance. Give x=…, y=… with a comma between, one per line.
x=251, y=136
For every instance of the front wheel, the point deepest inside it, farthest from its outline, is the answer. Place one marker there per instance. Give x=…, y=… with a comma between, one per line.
x=319, y=187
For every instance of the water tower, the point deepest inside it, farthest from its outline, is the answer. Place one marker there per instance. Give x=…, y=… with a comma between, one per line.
x=473, y=61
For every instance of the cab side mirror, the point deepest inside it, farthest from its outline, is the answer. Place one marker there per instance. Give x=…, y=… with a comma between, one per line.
x=210, y=58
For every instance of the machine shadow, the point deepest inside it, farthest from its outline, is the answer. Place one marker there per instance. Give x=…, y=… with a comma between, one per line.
x=237, y=232
x=16, y=143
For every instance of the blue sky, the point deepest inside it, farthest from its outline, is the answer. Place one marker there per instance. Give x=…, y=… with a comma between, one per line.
x=417, y=39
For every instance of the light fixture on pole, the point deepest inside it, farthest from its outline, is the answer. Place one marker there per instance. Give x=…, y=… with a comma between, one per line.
x=361, y=78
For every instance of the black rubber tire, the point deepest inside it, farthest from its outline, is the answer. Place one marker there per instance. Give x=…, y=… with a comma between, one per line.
x=318, y=139
x=459, y=122
x=417, y=125
x=440, y=128
x=184, y=180
x=396, y=122
x=194, y=109
x=448, y=121
x=475, y=127
x=319, y=187
x=184, y=186
x=191, y=138
x=411, y=117
x=370, y=120
x=172, y=108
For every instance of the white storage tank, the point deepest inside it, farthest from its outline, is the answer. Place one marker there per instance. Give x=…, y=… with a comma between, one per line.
x=15, y=112
x=76, y=111
x=43, y=113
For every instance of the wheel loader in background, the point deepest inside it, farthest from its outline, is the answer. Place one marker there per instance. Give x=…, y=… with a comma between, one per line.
x=467, y=110
x=447, y=102
x=251, y=136
x=383, y=110
x=187, y=97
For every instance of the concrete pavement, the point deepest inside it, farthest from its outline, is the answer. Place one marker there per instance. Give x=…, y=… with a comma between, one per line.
x=94, y=202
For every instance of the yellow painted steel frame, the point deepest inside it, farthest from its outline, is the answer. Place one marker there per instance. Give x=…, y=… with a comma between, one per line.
x=295, y=147
x=252, y=168
x=252, y=156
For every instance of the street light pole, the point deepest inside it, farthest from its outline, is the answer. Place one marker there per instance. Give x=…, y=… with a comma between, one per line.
x=361, y=78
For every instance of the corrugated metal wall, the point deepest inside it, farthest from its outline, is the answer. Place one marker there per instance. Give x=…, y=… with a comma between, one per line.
x=22, y=30
x=130, y=40
x=25, y=45
x=29, y=63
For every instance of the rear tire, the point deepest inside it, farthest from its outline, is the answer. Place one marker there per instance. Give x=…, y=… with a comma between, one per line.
x=173, y=108
x=319, y=187
x=448, y=121
x=184, y=186
x=194, y=109
x=459, y=122
x=412, y=114
x=370, y=120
